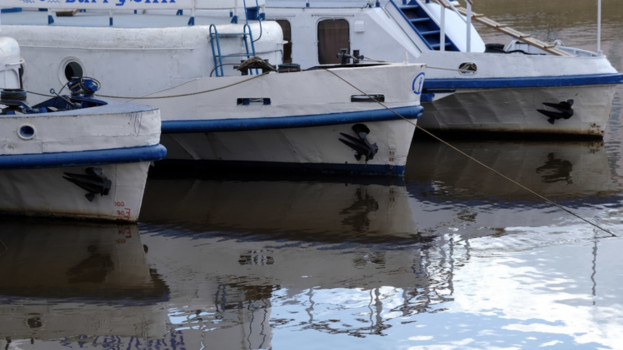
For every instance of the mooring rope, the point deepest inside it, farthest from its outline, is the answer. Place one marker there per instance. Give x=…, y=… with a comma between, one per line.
x=187, y=94
x=166, y=96
x=552, y=202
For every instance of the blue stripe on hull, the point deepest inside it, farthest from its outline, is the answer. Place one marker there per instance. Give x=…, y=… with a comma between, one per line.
x=522, y=82
x=249, y=167
x=244, y=124
x=83, y=158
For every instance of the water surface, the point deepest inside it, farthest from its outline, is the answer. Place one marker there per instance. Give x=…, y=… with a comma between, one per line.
x=451, y=257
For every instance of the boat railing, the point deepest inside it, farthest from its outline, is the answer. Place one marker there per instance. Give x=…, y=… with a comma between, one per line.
x=234, y=6
x=467, y=15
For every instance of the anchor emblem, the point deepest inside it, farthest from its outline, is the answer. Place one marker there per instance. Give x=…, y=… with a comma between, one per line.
x=360, y=144
x=564, y=110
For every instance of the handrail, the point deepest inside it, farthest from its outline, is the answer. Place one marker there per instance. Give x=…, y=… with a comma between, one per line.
x=124, y=4
x=525, y=38
x=112, y=5
x=467, y=12
x=258, y=17
x=218, y=63
x=448, y=5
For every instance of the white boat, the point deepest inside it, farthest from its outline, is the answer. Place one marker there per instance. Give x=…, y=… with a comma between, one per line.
x=72, y=155
x=524, y=87
x=345, y=118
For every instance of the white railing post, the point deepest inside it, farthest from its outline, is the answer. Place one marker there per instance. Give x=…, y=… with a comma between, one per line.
x=599, y=27
x=469, y=26
x=442, y=34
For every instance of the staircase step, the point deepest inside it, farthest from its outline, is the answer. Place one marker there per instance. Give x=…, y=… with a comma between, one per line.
x=431, y=32
x=419, y=20
x=423, y=25
x=231, y=35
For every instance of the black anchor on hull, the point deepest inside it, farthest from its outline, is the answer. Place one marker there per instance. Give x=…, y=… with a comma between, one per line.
x=564, y=110
x=360, y=144
x=94, y=182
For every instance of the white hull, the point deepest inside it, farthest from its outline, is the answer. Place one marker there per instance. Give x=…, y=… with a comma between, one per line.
x=88, y=163
x=515, y=110
x=46, y=192
x=289, y=119
x=310, y=148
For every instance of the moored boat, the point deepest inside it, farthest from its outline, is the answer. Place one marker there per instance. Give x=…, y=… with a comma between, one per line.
x=226, y=98
x=522, y=87
x=72, y=155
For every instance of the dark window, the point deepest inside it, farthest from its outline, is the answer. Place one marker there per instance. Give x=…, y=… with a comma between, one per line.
x=332, y=37
x=73, y=70
x=287, y=36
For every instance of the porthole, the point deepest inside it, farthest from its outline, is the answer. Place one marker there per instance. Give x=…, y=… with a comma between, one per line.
x=26, y=132
x=73, y=70
x=468, y=68
x=70, y=67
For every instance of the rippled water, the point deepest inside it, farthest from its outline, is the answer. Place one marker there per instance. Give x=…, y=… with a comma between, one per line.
x=451, y=257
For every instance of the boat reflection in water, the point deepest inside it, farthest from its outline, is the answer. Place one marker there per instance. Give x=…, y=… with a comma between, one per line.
x=231, y=250
x=316, y=209
x=456, y=194
x=76, y=283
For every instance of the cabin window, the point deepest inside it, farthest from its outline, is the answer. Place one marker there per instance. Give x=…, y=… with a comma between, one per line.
x=333, y=36
x=287, y=37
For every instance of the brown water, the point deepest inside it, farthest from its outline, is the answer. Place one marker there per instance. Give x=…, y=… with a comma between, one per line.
x=453, y=257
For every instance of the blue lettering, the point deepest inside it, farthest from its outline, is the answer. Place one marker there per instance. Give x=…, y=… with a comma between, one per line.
x=70, y=1
x=120, y=3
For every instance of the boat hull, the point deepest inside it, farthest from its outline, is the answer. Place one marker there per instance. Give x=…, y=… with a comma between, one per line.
x=322, y=149
x=89, y=163
x=48, y=192
x=522, y=111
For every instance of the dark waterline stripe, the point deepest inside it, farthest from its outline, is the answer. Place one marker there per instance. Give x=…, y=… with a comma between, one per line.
x=179, y=166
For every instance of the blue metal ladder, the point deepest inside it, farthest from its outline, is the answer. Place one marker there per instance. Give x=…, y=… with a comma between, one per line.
x=251, y=13
x=218, y=56
x=423, y=25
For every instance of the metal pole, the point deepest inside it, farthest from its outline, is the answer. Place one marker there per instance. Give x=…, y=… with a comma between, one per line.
x=469, y=26
x=599, y=27
x=442, y=34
